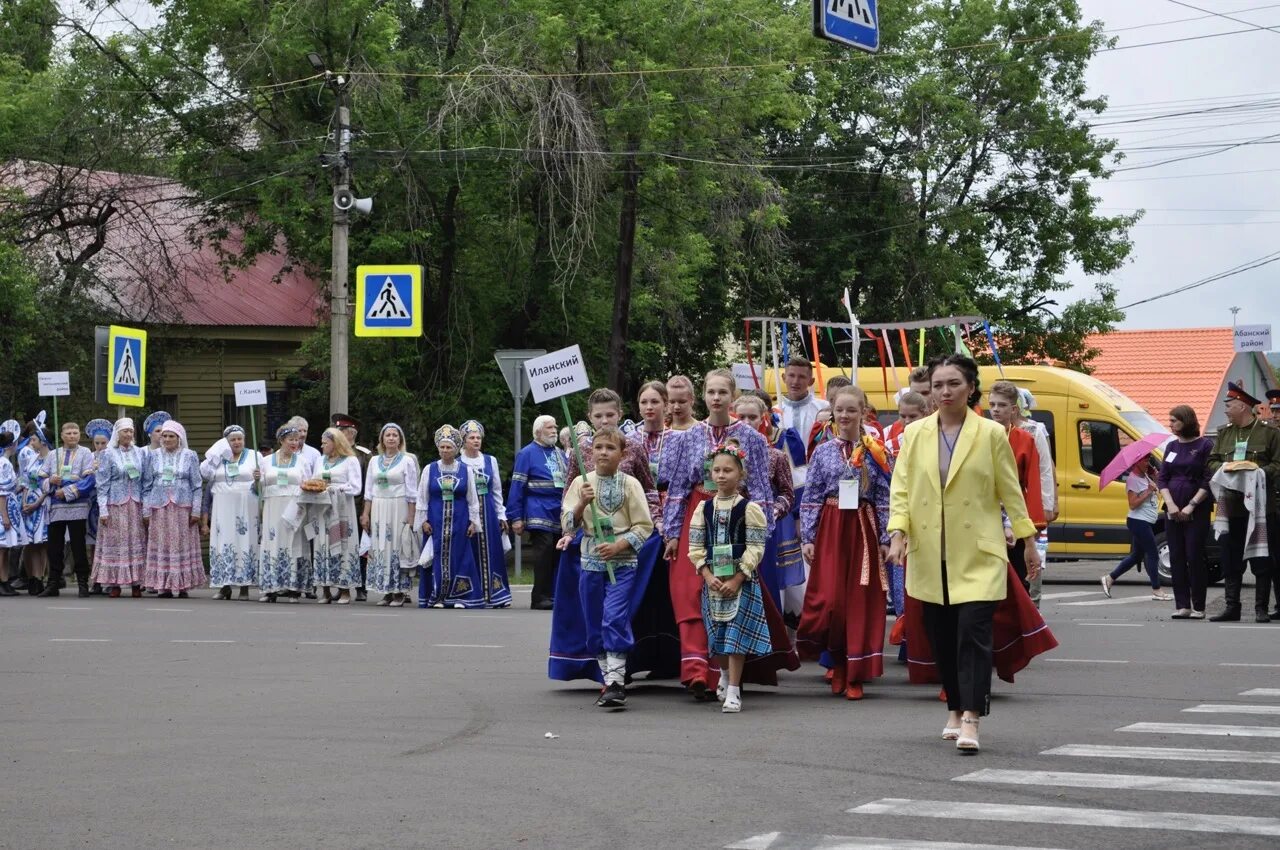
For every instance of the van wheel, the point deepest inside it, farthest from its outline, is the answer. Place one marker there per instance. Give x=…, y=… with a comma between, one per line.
x=1213, y=567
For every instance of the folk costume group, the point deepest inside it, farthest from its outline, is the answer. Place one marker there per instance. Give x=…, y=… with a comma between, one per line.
x=723, y=550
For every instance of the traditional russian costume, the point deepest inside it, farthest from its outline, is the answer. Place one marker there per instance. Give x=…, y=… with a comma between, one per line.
x=337, y=549
x=391, y=491
x=119, y=556
x=490, y=542
x=171, y=499
x=233, y=514
x=284, y=554
x=728, y=536
x=447, y=500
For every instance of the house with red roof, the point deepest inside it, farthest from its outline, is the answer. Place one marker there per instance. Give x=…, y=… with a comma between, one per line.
x=1160, y=369
x=161, y=261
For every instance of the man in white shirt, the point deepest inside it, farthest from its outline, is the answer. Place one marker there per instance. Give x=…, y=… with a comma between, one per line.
x=799, y=406
x=1048, y=480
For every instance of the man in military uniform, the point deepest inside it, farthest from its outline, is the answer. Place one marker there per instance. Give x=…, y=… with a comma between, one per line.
x=350, y=428
x=1245, y=438
x=1273, y=402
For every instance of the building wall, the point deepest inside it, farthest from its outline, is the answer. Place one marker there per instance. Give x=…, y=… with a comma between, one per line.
x=1254, y=372
x=201, y=366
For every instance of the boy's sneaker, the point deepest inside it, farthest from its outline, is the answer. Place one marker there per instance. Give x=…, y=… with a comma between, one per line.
x=732, y=704
x=614, y=696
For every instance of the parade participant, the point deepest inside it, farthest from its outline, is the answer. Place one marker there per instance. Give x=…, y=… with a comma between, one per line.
x=151, y=428
x=782, y=566
x=726, y=541
x=1242, y=440
x=448, y=513
x=231, y=522
x=653, y=435
x=572, y=654
x=35, y=504
x=490, y=542
x=918, y=382
x=610, y=510
x=69, y=479
x=99, y=433
x=799, y=406
x=537, y=488
x=284, y=556
x=310, y=454
x=955, y=473
x=1184, y=484
x=687, y=466
x=119, y=559
x=911, y=407
x=1003, y=404
x=822, y=428
x=350, y=428
x=680, y=395
x=1048, y=481
x=843, y=519
x=337, y=558
x=1273, y=405
x=10, y=512
x=171, y=509
x=390, y=496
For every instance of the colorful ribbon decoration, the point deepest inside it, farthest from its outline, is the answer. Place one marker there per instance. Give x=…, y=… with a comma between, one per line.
x=751, y=364
x=992, y=340
x=906, y=349
x=817, y=360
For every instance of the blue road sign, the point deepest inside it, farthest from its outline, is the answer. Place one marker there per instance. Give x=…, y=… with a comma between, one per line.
x=854, y=23
x=389, y=299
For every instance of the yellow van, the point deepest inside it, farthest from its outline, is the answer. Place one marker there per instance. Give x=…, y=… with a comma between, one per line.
x=1088, y=421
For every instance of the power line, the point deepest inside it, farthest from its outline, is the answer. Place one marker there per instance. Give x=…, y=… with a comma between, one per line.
x=1213, y=278
x=1223, y=15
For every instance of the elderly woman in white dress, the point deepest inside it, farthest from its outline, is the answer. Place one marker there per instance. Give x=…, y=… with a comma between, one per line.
x=231, y=523
x=284, y=556
x=390, y=496
x=338, y=546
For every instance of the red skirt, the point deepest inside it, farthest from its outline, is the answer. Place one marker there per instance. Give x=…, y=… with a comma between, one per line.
x=686, y=603
x=842, y=615
x=1019, y=634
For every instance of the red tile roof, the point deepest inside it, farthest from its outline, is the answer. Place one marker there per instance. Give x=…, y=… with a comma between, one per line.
x=165, y=260
x=1151, y=368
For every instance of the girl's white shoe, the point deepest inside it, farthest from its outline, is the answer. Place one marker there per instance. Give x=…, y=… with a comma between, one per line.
x=732, y=704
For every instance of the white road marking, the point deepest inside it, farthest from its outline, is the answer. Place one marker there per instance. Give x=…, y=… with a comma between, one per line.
x=467, y=645
x=1239, y=664
x=175, y=610
x=1262, y=692
x=1232, y=709
x=1102, y=751
x=201, y=641
x=367, y=614
x=1072, y=816
x=1124, y=781
x=1088, y=660
x=1257, y=627
x=799, y=841
x=330, y=643
x=1204, y=729
x=1114, y=625
x=79, y=640
x=1125, y=600
x=1069, y=594
x=484, y=616
x=68, y=608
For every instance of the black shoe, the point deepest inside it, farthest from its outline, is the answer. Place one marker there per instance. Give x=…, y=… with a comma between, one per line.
x=614, y=696
x=96, y=590
x=362, y=596
x=35, y=587
x=1262, y=616
x=50, y=589
x=543, y=605
x=311, y=594
x=6, y=590
x=1230, y=615
x=225, y=593
x=83, y=592
x=18, y=584
x=168, y=594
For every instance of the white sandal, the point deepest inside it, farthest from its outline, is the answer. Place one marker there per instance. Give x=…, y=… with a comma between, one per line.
x=964, y=743
x=950, y=733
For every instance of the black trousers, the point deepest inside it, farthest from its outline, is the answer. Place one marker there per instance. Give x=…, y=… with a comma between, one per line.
x=546, y=559
x=57, y=549
x=1234, y=563
x=960, y=636
x=1187, y=565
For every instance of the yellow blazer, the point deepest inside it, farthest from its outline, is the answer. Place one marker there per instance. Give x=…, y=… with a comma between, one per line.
x=982, y=477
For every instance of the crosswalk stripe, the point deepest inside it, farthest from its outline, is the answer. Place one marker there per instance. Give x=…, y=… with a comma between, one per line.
x=1067, y=594
x=1204, y=729
x=1072, y=816
x=1262, y=692
x=1124, y=781
x=1102, y=751
x=1126, y=600
x=800, y=841
x=1232, y=709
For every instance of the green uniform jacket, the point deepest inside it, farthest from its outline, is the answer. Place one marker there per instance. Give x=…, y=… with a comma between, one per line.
x=1263, y=449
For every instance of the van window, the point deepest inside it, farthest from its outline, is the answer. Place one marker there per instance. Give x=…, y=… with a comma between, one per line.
x=1045, y=418
x=1099, y=444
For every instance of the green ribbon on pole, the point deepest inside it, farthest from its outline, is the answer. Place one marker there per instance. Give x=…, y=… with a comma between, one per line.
x=582, y=471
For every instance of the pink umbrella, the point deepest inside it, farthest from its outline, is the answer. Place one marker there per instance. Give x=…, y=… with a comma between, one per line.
x=1129, y=455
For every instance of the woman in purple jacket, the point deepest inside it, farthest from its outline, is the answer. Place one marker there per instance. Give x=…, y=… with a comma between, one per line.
x=1184, y=484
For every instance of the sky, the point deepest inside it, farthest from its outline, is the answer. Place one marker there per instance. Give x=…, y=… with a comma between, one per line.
x=1195, y=225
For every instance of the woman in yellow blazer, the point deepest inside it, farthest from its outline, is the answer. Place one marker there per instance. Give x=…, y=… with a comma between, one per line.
x=954, y=473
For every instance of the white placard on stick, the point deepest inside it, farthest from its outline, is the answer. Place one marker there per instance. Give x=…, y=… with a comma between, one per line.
x=1252, y=337
x=748, y=377
x=54, y=384
x=251, y=393
x=558, y=373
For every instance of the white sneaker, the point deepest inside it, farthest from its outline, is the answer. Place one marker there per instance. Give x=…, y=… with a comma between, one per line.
x=732, y=705
x=1197, y=615
x=1107, y=581
x=266, y=597
x=721, y=689
x=1161, y=596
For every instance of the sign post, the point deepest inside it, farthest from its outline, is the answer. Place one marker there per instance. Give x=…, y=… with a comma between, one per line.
x=54, y=385
x=853, y=23
x=511, y=362
x=127, y=366
x=559, y=375
x=252, y=394
x=1252, y=338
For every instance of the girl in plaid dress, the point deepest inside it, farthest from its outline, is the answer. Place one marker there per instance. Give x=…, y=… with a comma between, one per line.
x=727, y=536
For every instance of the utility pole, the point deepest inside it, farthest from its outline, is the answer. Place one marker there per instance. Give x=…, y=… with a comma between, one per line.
x=339, y=309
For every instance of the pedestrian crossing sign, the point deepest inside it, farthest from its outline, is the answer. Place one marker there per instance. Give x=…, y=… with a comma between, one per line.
x=127, y=375
x=389, y=301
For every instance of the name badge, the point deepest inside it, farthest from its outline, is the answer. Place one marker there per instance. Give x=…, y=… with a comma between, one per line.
x=799, y=475
x=131, y=471
x=557, y=478
x=707, y=483
x=66, y=470
x=326, y=475
x=1171, y=457
x=382, y=479
x=604, y=530
x=1242, y=449
x=722, y=565
x=653, y=470
x=482, y=484
x=282, y=478
x=167, y=476
x=446, y=489
x=850, y=495
x=233, y=470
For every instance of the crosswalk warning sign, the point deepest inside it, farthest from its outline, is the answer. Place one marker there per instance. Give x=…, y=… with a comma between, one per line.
x=389, y=301
x=127, y=378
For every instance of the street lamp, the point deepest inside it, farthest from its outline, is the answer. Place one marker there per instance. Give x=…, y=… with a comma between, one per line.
x=1234, y=311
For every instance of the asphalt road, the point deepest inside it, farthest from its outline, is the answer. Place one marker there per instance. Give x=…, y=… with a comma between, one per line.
x=204, y=724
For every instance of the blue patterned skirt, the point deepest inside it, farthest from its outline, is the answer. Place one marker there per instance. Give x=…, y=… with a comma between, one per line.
x=747, y=633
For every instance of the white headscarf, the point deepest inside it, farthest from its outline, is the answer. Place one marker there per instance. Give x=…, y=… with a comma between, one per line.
x=173, y=426
x=538, y=425
x=121, y=424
